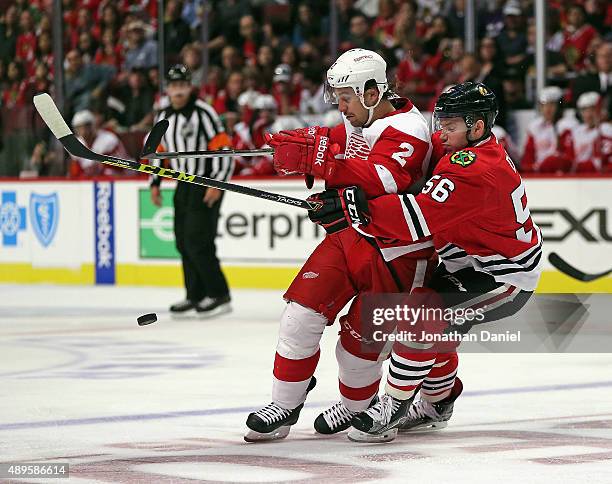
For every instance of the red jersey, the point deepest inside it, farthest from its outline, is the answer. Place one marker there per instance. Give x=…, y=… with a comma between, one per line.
x=475, y=208
x=386, y=157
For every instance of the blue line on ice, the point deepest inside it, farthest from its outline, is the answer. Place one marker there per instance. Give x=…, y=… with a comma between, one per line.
x=231, y=410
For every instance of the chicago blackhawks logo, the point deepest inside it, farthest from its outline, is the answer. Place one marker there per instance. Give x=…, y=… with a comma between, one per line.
x=463, y=158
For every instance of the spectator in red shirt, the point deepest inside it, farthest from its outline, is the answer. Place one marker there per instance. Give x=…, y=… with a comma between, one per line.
x=227, y=99
x=109, y=52
x=265, y=64
x=110, y=18
x=250, y=38
x=384, y=25
x=44, y=52
x=70, y=13
x=84, y=23
x=40, y=82
x=578, y=36
x=416, y=75
x=15, y=93
x=210, y=89
x=26, y=40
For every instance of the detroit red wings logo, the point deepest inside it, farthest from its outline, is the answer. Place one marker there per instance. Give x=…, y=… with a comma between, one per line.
x=357, y=147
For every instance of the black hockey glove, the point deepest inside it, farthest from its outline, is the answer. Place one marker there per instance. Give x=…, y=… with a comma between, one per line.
x=340, y=209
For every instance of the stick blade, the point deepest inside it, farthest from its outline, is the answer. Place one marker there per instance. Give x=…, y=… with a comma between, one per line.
x=558, y=263
x=51, y=116
x=154, y=138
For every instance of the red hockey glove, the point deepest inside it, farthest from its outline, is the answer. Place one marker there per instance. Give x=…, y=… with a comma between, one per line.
x=306, y=150
x=340, y=209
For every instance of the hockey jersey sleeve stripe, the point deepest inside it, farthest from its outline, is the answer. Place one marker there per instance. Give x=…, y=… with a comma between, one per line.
x=390, y=253
x=530, y=267
x=416, y=218
x=455, y=255
x=386, y=179
x=445, y=249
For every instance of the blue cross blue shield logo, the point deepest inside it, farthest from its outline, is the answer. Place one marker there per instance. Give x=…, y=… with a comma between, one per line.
x=44, y=216
x=12, y=218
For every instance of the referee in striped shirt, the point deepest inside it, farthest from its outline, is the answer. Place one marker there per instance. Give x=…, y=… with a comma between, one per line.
x=194, y=125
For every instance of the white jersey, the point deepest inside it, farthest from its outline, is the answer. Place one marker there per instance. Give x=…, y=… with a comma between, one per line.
x=106, y=143
x=587, y=143
x=546, y=137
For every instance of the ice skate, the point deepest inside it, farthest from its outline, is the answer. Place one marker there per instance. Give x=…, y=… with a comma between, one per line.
x=423, y=415
x=183, y=309
x=379, y=423
x=210, y=307
x=335, y=419
x=273, y=422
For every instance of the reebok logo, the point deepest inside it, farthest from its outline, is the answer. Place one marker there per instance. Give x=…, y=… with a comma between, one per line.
x=321, y=149
x=310, y=275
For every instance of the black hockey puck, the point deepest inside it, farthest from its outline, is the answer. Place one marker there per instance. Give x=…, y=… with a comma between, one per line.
x=147, y=319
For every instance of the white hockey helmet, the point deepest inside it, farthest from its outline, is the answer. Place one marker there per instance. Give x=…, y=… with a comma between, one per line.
x=353, y=69
x=83, y=117
x=588, y=100
x=265, y=101
x=550, y=94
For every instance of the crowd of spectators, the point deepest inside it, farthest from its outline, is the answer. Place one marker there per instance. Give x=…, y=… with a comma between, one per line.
x=280, y=49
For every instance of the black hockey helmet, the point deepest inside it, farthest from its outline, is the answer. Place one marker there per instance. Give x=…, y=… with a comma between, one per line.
x=470, y=101
x=178, y=72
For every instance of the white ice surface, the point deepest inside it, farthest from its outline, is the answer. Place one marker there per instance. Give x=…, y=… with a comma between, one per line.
x=81, y=382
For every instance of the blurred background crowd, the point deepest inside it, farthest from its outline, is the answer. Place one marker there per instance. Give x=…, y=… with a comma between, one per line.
x=262, y=63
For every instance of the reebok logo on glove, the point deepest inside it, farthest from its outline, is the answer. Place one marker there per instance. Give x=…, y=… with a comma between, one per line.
x=321, y=150
x=309, y=151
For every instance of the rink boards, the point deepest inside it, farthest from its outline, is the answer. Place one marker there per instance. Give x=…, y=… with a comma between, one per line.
x=107, y=232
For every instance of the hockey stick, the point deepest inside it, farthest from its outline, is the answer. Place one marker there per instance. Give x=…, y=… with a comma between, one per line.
x=154, y=138
x=149, y=150
x=568, y=270
x=53, y=119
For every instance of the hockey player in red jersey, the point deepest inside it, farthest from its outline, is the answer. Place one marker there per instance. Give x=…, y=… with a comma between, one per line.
x=383, y=145
x=475, y=208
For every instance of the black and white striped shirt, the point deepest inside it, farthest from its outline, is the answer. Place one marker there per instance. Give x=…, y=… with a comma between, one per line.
x=195, y=127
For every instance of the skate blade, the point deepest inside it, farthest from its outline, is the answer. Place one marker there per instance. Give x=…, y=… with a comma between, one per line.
x=186, y=315
x=213, y=313
x=363, y=437
x=430, y=427
x=279, y=433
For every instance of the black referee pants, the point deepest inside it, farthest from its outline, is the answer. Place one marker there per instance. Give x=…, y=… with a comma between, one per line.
x=195, y=230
